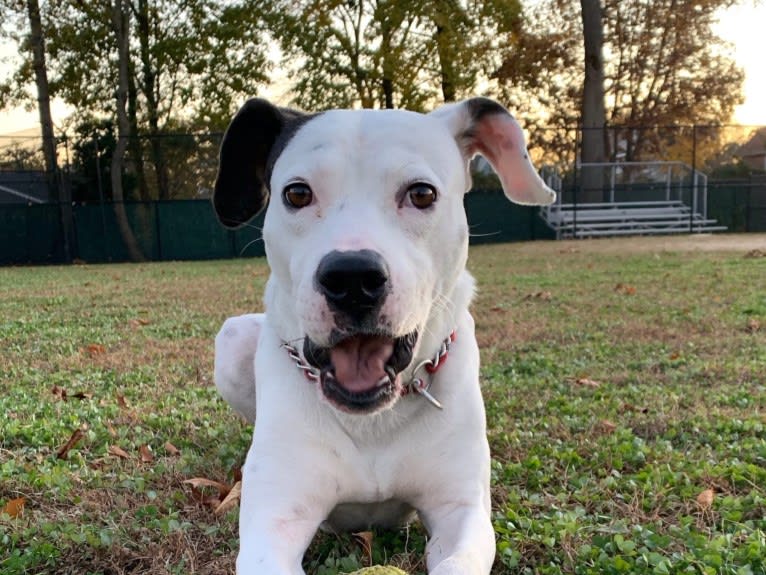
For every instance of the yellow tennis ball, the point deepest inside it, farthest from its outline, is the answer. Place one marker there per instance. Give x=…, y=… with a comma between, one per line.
x=379, y=570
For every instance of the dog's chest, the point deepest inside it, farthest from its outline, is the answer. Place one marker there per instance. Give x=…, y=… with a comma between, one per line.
x=352, y=517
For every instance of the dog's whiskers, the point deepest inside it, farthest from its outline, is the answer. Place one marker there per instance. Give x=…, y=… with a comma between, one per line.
x=250, y=243
x=470, y=235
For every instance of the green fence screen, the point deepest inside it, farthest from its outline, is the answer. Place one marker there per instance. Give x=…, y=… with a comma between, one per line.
x=188, y=230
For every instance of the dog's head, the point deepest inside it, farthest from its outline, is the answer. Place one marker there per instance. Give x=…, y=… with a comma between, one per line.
x=366, y=234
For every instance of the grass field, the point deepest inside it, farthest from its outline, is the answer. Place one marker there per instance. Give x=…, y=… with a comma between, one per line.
x=625, y=392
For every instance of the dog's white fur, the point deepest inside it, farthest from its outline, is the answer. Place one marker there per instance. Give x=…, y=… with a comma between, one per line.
x=313, y=464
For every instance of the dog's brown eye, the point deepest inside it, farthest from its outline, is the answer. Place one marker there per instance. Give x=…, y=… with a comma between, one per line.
x=297, y=195
x=421, y=195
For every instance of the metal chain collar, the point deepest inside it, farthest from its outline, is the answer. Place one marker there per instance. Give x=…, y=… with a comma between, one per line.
x=420, y=385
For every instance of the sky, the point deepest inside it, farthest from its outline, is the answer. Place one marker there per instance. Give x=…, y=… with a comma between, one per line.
x=741, y=25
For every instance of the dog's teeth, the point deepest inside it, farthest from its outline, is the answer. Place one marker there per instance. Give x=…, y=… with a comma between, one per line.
x=329, y=374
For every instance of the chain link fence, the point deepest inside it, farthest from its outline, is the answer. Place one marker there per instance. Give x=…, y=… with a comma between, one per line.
x=167, y=180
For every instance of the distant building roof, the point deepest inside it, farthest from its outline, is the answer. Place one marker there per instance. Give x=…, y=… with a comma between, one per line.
x=756, y=145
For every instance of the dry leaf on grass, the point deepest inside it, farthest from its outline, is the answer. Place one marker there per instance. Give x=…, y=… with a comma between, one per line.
x=585, y=382
x=14, y=508
x=171, y=449
x=121, y=401
x=753, y=325
x=76, y=436
x=539, y=295
x=231, y=499
x=93, y=349
x=62, y=394
x=606, y=426
x=138, y=322
x=213, y=501
x=117, y=452
x=705, y=499
x=364, y=539
x=145, y=454
x=625, y=289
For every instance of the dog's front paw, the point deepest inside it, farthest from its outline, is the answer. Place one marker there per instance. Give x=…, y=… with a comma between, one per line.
x=455, y=566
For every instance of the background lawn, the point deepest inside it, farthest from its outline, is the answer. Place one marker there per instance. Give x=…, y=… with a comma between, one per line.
x=625, y=391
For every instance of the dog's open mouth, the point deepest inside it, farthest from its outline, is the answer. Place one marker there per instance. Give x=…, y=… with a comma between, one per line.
x=360, y=372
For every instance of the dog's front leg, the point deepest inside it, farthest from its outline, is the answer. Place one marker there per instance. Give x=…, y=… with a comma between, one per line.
x=235, y=347
x=283, y=503
x=462, y=540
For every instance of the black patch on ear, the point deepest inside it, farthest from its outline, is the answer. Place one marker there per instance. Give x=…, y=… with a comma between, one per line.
x=294, y=121
x=252, y=143
x=480, y=107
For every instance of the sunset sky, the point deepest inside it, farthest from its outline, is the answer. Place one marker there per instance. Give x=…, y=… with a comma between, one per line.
x=743, y=26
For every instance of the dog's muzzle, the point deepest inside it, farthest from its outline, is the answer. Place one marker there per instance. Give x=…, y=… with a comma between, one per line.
x=360, y=373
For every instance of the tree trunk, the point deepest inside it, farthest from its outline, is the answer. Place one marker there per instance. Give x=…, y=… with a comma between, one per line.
x=593, y=111
x=120, y=26
x=57, y=193
x=446, y=65
x=149, y=89
x=135, y=150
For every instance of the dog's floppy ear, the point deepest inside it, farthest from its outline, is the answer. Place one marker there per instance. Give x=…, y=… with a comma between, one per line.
x=244, y=166
x=482, y=126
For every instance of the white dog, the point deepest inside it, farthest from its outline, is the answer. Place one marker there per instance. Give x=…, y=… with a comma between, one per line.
x=362, y=377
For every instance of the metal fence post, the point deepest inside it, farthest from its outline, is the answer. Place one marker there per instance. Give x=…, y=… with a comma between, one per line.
x=693, y=192
x=158, y=229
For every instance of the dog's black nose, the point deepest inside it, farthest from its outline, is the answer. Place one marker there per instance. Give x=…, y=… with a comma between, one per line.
x=353, y=282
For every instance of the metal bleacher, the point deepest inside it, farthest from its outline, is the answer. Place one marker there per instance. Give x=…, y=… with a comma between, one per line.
x=643, y=198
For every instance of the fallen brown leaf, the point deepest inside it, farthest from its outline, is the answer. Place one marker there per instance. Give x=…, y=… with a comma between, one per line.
x=121, y=401
x=76, y=436
x=364, y=539
x=585, y=382
x=753, y=325
x=117, y=452
x=625, y=289
x=145, y=454
x=59, y=392
x=212, y=501
x=705, y=499
x=171, y=449
x=607, y=426
x=198, y=482
x=14, y=508
x=94, y=349
x=540, y=295
x=231, y=499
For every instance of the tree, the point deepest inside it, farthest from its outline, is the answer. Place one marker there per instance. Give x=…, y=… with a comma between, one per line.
x=192, y=63
x=121, y=25
x=390, y=53
x=593, y=110
x=664, y=66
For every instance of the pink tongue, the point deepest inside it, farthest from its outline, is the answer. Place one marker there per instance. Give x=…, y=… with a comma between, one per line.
x=359, y=362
